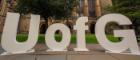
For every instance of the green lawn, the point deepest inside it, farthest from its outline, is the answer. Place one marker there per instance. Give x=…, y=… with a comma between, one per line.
x=90, y=38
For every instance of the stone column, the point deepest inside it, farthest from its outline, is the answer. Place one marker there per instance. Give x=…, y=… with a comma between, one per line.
x=98, y=8
x=85, y=11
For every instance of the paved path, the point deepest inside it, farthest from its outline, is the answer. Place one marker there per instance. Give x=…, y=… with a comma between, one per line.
x=96, y=53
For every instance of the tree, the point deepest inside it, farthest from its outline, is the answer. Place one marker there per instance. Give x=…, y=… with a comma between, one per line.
x=130, y=8
x=58, y=9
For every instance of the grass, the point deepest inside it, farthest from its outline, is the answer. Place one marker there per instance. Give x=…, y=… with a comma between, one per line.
x=90, y=38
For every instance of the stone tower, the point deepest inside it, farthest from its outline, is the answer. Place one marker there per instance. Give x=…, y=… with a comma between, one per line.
x=93, y=8
x=90, y=8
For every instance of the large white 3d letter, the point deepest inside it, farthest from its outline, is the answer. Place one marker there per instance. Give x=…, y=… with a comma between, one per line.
x=129, y=38
x=9, y=42
x=50, y=40
x=80, y=27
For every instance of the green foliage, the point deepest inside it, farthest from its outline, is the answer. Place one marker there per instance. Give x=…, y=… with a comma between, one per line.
x=46, y=8
x=130, y=8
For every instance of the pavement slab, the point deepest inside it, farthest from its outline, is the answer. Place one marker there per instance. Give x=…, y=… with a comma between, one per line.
x=18, y=57
x=96, y=53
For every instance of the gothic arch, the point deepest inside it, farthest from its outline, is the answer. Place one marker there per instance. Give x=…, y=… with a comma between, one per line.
x=70, y=25
x=92, y=27
x=42, y=28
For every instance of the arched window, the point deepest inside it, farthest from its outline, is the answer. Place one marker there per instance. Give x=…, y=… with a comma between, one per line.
x=91, y=8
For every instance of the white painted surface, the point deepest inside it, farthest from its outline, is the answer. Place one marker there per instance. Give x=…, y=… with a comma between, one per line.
x=50, y=37
x=80, y=27
x=129, y=38
x=9, y=42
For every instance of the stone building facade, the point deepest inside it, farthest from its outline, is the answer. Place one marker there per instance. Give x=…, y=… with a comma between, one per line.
x=91, y=8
